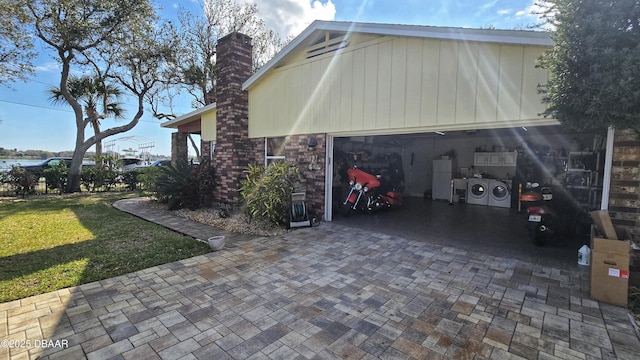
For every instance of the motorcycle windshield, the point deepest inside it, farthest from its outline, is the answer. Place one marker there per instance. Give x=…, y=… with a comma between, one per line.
x=364, y=178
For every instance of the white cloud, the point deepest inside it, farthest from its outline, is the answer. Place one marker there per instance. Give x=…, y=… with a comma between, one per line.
x=291, y=17
x=504, y=12
x=488, y=5
x=48, y=66
x=534, y=10
x=533, y=13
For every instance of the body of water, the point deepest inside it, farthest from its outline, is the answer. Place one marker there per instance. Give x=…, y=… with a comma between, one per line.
x=6, y=164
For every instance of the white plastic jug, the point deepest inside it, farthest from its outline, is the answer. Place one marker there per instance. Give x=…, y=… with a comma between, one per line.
x=584, y=253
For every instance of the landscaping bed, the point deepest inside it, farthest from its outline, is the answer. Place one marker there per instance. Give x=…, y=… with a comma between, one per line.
x=237, y=223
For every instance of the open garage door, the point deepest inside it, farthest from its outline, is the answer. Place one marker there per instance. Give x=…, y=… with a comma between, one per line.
x=547, y=155
x=482, y=176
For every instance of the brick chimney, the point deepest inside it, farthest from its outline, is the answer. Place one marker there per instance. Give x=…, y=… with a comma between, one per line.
x=233, y=150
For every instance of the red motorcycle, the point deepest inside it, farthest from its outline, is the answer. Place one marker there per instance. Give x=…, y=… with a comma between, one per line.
x=369, y=192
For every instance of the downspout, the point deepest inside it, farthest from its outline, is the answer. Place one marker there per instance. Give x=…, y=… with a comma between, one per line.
x=608, y=164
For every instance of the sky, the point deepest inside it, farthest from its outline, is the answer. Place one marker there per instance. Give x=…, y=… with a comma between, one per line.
x=30, y=121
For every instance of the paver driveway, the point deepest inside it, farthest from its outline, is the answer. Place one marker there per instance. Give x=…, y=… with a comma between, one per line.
x=325, y=292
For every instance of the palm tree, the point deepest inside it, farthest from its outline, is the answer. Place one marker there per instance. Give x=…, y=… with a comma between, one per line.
x=93, y=93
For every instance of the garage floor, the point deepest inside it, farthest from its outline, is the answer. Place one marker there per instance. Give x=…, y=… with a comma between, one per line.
x=483, y=229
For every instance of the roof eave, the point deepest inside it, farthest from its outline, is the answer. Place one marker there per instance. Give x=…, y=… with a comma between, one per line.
x=188, y=117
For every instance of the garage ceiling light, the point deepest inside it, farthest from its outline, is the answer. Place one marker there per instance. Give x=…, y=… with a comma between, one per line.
x=439, y=133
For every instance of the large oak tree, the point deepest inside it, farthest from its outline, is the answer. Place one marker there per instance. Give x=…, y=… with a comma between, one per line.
x=200, y=33
x=120, y=40
x=16, y=46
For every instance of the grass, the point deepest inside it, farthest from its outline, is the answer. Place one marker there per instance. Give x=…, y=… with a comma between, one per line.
x=52, y=243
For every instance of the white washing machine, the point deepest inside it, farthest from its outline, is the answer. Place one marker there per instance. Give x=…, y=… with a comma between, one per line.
x=500, y=193
x=478, y=191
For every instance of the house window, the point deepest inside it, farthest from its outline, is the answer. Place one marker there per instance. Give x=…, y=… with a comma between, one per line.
x=274, y=150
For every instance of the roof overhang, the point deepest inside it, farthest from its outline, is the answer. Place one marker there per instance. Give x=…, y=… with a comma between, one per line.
x=188, y=117
x=318, y=27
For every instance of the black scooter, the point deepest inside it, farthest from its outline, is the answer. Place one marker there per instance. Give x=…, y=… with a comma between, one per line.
x=543, y=222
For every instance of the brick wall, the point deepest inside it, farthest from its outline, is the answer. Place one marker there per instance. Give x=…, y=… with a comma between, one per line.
x=312, y=166
x=624, y=198
x=179, y=147
x=233, y=150
x=311, y=163
x=205, y=149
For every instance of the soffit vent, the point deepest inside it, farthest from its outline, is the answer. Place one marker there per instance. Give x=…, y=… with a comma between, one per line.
x=330, y=43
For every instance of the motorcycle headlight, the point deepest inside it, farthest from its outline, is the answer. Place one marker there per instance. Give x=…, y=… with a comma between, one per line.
x=366, y=189
x=350, y=182
x=358, y=186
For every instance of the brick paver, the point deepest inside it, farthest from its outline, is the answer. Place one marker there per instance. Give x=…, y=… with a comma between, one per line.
x=323, y=292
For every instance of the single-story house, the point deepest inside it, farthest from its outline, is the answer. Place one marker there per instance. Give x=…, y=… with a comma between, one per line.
x=422, y=92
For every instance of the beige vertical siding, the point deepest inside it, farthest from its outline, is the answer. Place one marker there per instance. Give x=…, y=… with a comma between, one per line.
x=208, y=126
x=400, y=84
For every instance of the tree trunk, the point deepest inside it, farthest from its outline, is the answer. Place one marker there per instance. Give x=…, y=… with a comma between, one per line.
x=96, y=131
x=195, y=147
x=75, y=169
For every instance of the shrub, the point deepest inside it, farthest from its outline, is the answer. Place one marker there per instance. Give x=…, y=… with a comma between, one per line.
x=148, y=177
x=184, y=185
x=23, y=181
x=266, y=191
x=56, y=176
x=130, y=179
x=94, y=177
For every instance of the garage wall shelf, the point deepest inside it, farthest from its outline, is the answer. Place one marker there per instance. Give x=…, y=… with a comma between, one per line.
x=582, y=177
x=505, y=158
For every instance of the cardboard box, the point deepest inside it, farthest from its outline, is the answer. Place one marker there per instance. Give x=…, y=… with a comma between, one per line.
x=603, y=221
x=609, y=280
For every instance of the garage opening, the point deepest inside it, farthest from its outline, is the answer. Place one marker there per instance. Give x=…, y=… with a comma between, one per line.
x=464, y=186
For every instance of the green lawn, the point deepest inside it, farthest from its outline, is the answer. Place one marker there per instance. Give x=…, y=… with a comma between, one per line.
x=53, y=243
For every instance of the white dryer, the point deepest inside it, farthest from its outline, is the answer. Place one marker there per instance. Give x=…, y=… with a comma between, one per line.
x=478, y=191
x=500, y=193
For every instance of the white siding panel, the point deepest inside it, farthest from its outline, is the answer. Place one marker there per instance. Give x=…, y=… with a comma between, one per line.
x=487, y=83
x=392, y=84
x=430, y=80
x=208, y=126
x=413, y=92
x=346, y=89
x=447, y=83
x=357, y=99
x=334, y=75
x=370, y=87
x=383, y=94
x=308, y=95
x=509, y=82
x=276, y=109
x=531, y=101
x=319, y=84
x=300, y=100
x=398, y=83
x=466, y=83
x=296, y=99
x=258, y=108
